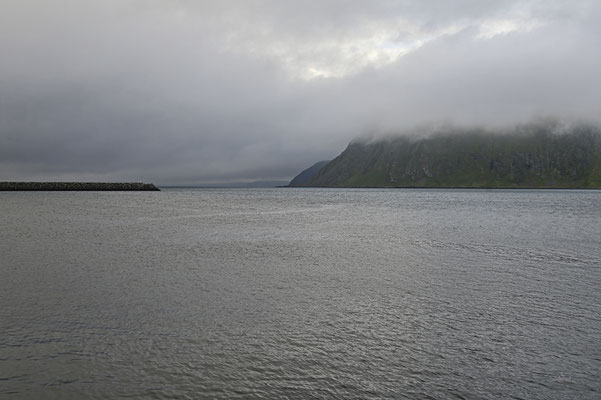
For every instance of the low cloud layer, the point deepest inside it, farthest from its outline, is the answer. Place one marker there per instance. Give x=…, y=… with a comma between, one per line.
x=187, y=92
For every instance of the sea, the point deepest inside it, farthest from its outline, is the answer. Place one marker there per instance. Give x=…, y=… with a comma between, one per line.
x=299, y=293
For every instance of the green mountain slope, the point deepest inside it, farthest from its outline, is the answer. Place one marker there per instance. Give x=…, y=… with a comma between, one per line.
x=305, y=176
x=536, y=155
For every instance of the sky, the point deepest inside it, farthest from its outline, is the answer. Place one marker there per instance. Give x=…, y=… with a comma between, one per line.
x=194, y=92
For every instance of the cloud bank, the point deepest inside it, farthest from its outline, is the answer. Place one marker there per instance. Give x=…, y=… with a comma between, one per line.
x=184, y=92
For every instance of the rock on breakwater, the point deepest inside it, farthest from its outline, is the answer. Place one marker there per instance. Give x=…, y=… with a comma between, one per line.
x=77, y=186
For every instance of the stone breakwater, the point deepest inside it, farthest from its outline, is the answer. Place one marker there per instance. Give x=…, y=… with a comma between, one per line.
x=77, y=186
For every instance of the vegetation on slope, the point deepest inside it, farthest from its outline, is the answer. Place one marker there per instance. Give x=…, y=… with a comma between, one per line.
x=305, y=176
x=536, y=155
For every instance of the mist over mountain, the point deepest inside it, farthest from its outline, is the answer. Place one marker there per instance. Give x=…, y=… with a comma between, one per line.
x=212, y=92
x=544, y=154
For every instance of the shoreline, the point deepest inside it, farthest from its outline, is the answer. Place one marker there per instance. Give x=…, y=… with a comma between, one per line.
x=447, y=187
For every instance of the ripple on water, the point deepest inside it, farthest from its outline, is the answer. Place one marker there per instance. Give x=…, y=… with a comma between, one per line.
x=301, y=294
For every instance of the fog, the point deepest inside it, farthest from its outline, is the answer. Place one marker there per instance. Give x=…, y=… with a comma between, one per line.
x=188, y=92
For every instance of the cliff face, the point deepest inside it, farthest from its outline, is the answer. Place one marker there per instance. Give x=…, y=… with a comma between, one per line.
x=535, y=156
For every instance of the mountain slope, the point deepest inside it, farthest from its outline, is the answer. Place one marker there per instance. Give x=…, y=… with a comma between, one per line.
x=305, y=176
x=536, y=155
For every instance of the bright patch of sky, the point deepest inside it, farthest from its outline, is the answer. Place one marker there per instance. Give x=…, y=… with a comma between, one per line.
x=494, y=27
x=373, y=45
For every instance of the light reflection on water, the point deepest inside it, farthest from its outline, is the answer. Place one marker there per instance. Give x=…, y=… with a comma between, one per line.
x=304, y=293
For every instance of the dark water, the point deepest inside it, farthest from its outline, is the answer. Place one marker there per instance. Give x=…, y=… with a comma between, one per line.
x=301, y=294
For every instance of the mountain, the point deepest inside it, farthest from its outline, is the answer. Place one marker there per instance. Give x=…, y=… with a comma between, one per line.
x=536, y=155
x=304, y=177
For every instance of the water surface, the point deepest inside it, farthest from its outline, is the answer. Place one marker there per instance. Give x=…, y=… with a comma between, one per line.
x=301, y=293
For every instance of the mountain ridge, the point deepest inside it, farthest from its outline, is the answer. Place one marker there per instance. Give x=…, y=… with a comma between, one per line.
x=306, y=175
x=536, y=155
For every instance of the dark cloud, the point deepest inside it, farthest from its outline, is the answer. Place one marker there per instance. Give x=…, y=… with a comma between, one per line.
x=187, y=91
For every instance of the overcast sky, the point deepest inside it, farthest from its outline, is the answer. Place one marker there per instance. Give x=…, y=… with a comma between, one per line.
x=186, y=91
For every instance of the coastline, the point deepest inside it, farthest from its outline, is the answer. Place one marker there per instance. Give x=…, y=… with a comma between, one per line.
x=451, y=187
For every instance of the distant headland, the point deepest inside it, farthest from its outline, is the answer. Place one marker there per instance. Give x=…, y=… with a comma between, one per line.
x=77, y=186
x=545, y=154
